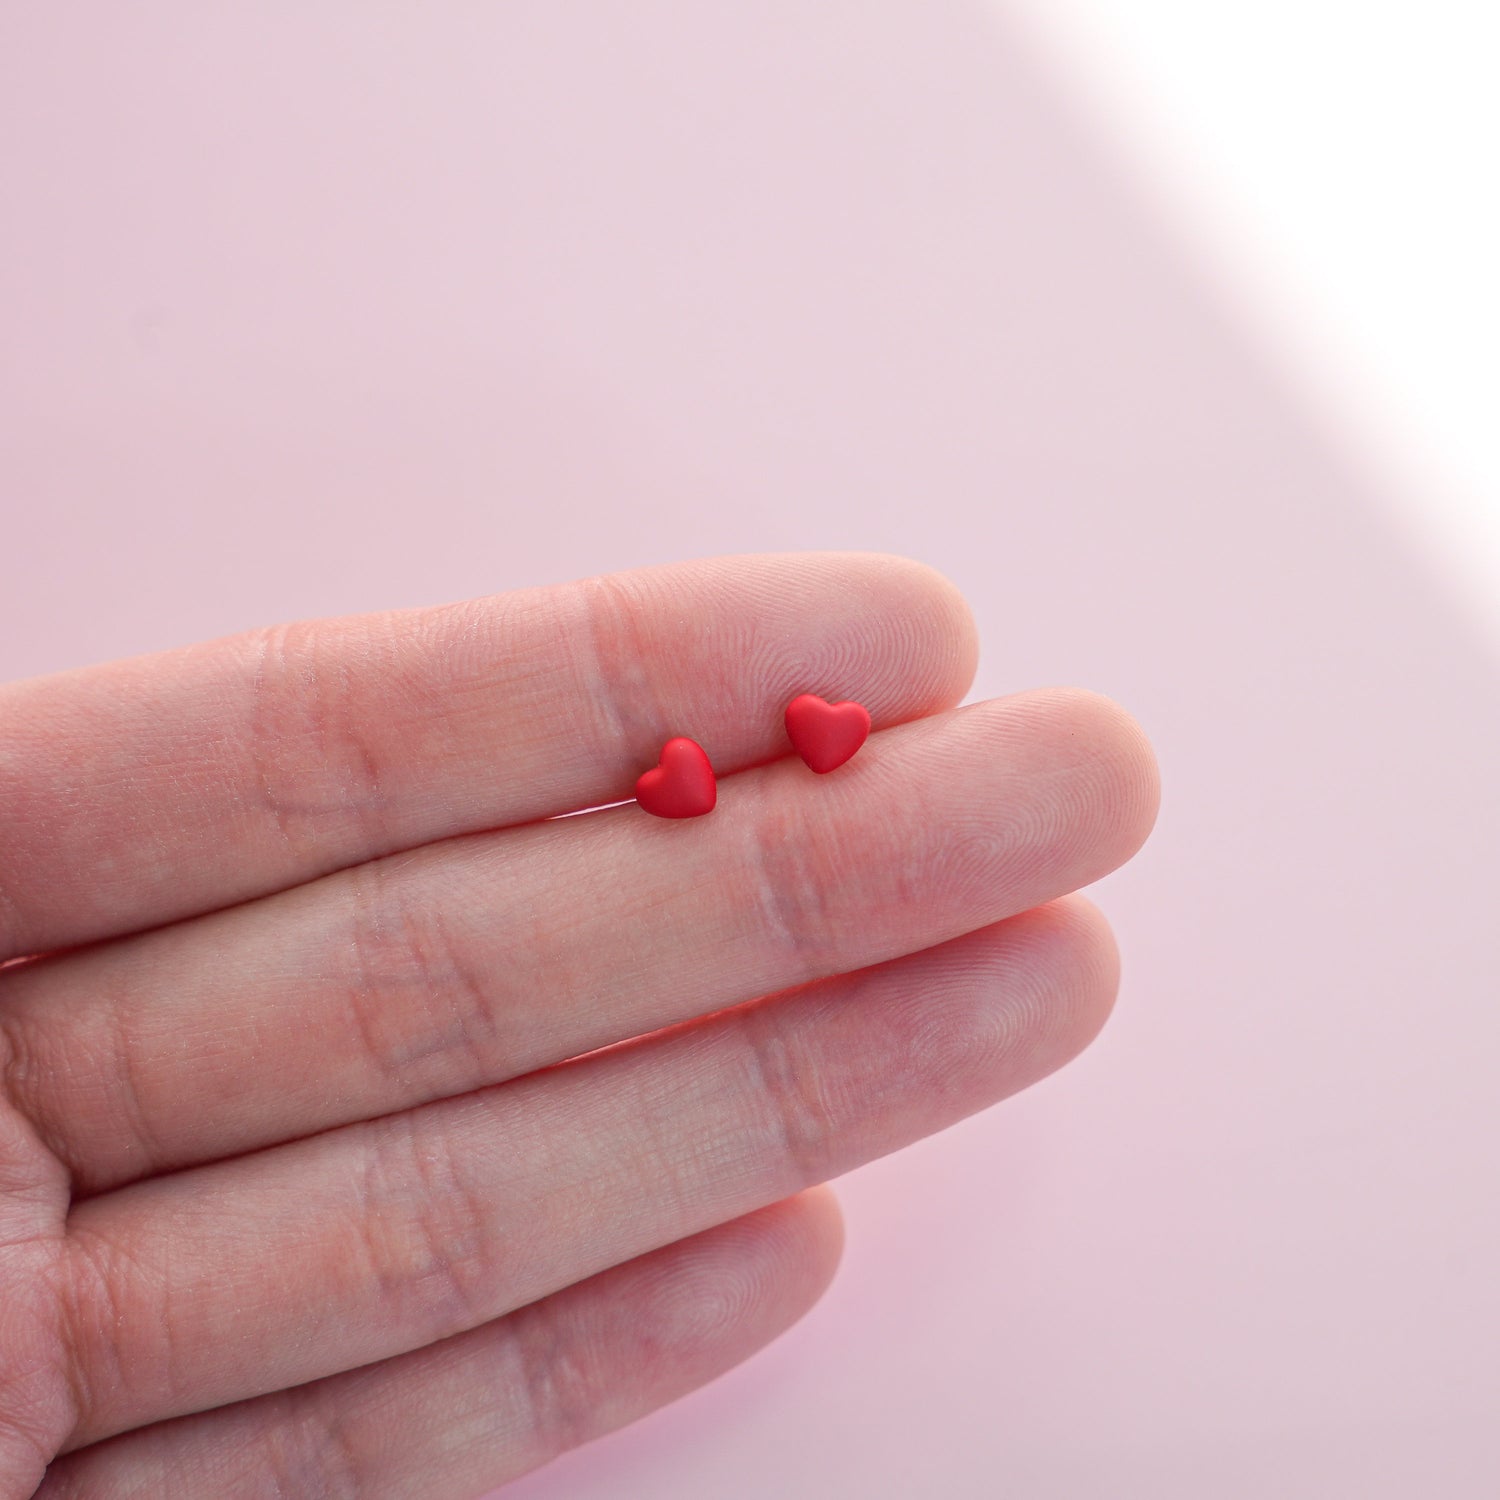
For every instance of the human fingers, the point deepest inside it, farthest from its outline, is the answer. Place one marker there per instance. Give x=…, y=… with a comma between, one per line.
x=227, y=1281
x=478, y=959
x=476, y=1410
x=139, y=792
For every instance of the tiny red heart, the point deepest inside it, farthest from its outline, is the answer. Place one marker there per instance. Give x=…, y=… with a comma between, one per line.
x=826, y=734
x=682, y=786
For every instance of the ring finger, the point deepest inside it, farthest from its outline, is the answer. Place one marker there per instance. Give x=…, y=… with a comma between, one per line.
x=230, y=1280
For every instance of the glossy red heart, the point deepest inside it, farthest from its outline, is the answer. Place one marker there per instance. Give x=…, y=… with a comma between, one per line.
x=682, y=786
x=826, y=734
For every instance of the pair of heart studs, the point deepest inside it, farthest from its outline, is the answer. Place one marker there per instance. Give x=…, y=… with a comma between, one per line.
x=824, y=734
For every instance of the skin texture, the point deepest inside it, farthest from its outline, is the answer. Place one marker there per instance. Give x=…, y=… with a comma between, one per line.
x=382, y=1112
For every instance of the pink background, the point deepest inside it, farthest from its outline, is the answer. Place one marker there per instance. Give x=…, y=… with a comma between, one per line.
x=319, y=308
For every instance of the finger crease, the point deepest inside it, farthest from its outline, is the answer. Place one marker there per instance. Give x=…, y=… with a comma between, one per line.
x=787, y=1082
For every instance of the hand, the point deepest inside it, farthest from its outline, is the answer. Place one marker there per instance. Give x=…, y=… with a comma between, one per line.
x=305, y=1179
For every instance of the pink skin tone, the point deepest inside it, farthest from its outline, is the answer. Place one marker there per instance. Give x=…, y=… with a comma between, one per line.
x=362, y=1120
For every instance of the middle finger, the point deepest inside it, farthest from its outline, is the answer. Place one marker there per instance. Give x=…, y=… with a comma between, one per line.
x=472, y=961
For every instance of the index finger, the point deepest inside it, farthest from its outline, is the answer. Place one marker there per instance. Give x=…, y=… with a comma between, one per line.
x=146, y=790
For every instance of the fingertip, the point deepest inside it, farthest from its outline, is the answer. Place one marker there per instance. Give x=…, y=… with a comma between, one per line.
x=821, y=1221
x=1092, y=732
x=923, y=593
x=1088, y=960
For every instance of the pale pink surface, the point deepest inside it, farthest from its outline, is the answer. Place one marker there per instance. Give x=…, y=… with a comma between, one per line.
x=318, y=309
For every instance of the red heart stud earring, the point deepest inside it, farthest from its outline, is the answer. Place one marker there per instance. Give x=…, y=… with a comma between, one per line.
x=826, y=734
x=682, y=786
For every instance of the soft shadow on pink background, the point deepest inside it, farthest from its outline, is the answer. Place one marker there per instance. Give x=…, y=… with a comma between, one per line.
x=319, y=309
